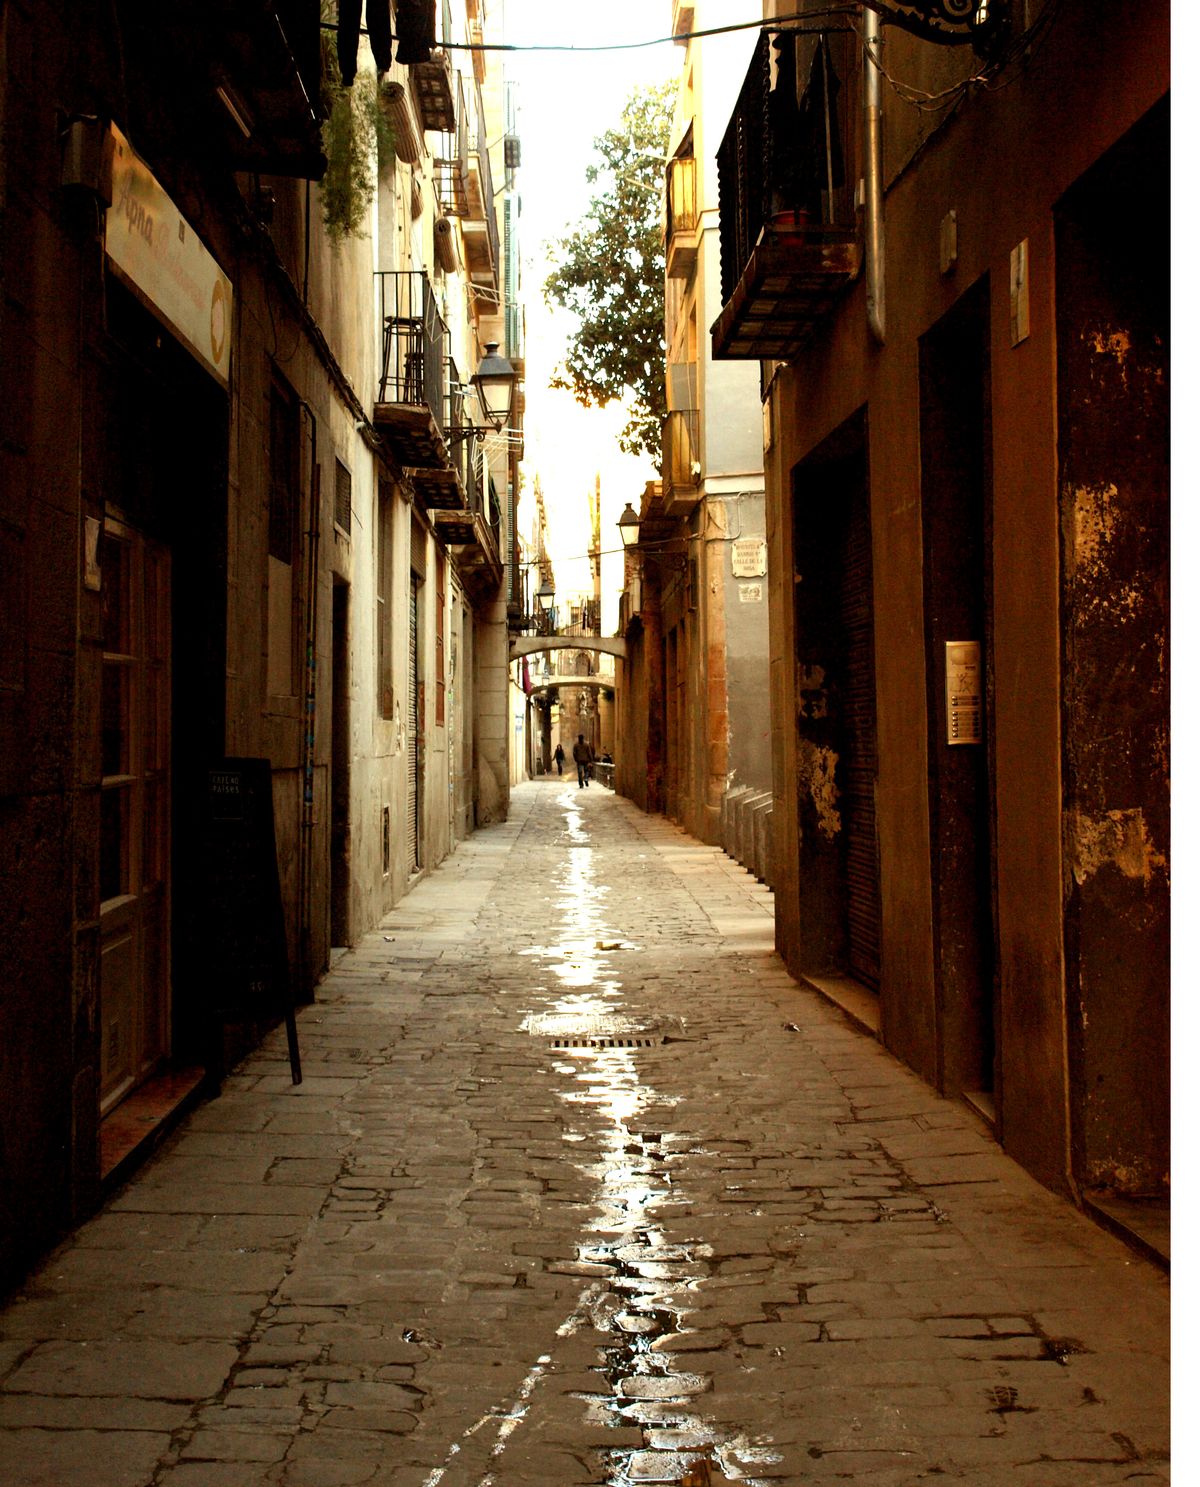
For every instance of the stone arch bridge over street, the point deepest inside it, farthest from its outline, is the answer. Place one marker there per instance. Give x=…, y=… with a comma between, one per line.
x=533, y=645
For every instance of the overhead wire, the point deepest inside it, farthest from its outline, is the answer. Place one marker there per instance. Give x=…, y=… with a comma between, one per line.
x=908, y=93
x=1023, y=44
x=774, y=24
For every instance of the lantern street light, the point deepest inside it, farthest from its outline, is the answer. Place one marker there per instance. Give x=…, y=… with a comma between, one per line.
x=495, y=382
x=545, y=598
x=629, y=524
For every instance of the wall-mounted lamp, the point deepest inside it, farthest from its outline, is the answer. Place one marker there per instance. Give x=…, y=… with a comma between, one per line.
x=495, y=382
x=629, y=524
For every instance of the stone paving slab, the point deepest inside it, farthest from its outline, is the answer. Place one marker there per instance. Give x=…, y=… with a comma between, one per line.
x=464, y=1254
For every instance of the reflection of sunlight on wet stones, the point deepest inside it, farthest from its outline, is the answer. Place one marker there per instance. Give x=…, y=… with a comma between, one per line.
x=629, y=1321
x=639, y=1253
x=682, y=1437
x=660, y=1466
x=663, y=1386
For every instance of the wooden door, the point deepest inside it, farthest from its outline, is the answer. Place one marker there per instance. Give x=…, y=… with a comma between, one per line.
x=135, y=810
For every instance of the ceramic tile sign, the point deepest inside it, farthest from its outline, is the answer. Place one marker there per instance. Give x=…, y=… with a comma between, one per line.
x=749, y=557
x=156, y=252
x=964, y=692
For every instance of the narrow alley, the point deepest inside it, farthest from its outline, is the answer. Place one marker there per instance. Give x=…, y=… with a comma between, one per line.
x=581, y=1187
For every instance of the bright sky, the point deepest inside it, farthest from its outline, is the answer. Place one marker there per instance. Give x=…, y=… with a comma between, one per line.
x=565, y=102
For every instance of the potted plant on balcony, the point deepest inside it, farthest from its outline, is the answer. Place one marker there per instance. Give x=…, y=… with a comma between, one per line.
x=790, y=224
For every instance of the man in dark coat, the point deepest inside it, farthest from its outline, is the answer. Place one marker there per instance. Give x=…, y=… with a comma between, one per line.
x=583, y=757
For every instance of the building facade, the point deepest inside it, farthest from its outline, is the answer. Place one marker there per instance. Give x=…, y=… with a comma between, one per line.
x=950, y=264
x=695, y=609
x=221, y=541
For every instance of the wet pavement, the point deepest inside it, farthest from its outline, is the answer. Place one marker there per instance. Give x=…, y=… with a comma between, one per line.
x=581, y=1187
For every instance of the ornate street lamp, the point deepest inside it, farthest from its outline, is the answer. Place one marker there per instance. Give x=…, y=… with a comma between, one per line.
x=495, y=382
x=629, y=524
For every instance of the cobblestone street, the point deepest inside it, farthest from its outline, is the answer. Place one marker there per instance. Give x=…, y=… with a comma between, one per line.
x=581, y=1187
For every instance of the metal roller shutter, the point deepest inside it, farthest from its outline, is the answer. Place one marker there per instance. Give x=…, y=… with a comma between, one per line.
x=413, y=813
x=859, y=757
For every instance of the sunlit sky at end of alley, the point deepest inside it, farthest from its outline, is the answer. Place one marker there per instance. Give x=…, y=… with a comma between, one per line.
x=565, y=102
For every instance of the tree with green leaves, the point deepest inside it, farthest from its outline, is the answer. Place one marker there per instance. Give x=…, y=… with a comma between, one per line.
x=609, y=273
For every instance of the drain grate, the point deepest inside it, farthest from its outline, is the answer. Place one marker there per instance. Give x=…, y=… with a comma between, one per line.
x=567, y=1043
x=602, y=1029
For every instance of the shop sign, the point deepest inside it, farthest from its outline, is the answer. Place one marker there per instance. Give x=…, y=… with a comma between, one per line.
x=157, y=253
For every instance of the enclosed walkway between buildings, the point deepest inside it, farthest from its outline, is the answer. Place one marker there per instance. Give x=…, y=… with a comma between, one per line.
x=581, y=1187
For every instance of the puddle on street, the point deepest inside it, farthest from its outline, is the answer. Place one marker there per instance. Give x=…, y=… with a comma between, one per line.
x=647, y=1283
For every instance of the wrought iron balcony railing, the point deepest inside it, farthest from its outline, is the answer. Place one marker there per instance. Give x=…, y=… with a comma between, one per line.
x=463, y=179
x=415, y=344
x=789, y=241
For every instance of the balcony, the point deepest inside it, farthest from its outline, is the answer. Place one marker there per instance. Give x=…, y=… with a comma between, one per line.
x=413, y=407
x=481, y=238
x=683, y=218
x=433, y=84
x=789, y=240
x=681, y=469
x=463, y=176
x=476, y=531
x=247, y=75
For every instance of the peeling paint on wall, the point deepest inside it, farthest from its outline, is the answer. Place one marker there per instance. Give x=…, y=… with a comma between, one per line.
x=1094, y=519
x=1119, y=839
x=815, y=767
x=1116, y=343
x=811, y=698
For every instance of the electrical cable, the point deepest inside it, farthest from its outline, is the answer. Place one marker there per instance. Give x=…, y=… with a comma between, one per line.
x=774, y=24
x=1023, y=44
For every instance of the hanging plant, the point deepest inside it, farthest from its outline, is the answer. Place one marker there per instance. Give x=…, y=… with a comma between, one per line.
x=356, y=133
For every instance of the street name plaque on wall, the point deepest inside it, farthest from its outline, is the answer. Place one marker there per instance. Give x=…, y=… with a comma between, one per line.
x=246, y=949
x=749, y=556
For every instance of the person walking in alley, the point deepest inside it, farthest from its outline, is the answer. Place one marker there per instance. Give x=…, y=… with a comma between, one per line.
x=559, y=756
x=583, y=757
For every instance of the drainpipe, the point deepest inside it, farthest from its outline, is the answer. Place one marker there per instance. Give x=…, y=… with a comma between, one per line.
x=873, y=155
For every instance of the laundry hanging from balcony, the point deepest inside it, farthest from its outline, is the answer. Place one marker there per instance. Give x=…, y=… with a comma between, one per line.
x=414, y=33
x=379, y=32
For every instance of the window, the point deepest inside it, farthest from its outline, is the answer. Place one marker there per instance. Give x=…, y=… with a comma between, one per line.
x=283, y=536
x=440, y=717
x=384, y=586
x=343, y=508
x=284, y=456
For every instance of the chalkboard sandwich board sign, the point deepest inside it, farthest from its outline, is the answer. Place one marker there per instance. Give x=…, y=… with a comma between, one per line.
x=246, y=944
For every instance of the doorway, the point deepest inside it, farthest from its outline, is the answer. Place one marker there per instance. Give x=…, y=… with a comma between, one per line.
x=956, y=521
x=339, y=769
x=135, y=810
x=836, y=751
x=414, y=722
